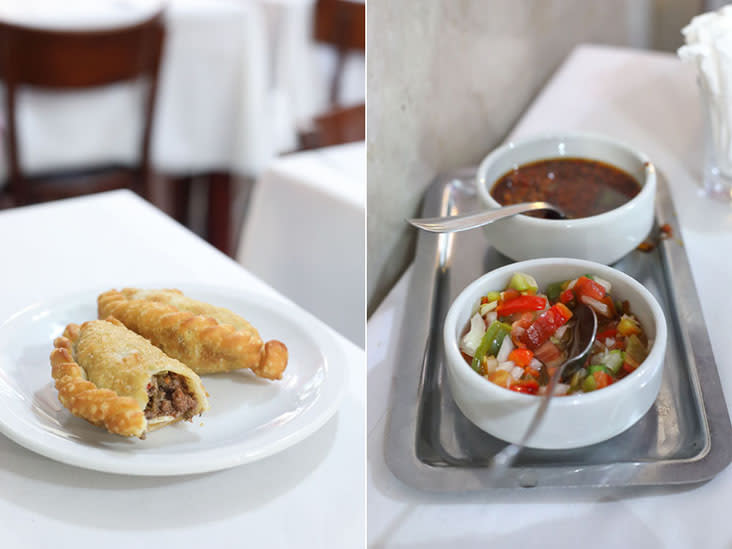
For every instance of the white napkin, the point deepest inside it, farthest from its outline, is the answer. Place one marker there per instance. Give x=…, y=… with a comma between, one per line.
x=709, y=47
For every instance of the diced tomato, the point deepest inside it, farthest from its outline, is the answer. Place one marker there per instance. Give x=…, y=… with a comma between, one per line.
x=602, y=379
x=567, y=296
x=484, y=300
x=521, y=357
x=528, y=386
x=590, y=288
x=549, y=354
x=545, y=325
x=533, y=372
x=521, y=304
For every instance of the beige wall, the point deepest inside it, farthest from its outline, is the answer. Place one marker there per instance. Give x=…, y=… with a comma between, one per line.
x=447, y=79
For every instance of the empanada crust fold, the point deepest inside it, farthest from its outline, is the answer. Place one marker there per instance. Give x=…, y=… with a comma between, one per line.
x=208, y=339
x=102, y=372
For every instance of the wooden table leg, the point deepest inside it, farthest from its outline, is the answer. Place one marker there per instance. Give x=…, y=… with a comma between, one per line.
x=219, y=211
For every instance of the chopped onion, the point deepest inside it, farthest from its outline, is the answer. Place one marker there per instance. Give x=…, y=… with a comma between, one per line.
x=517, y=372
x=535, y=364
x=600, y=307
x=488, y=307
x=491, y=317
x=609, y=342
x=571, y=284
x=470, y=341
x=506, y=347
x=561, y=389
x=507, y=366
x=560, y=331
x=604, y=283
x=490, y=364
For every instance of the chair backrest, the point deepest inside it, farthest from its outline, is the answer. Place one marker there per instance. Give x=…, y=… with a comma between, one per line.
x=65, y=60
x=342, y=25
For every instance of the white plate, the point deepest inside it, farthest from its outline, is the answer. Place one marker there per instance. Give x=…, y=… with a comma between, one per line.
x=249, y=418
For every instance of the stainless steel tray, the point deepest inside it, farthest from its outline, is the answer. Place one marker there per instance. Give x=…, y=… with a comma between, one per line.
x=685, y=437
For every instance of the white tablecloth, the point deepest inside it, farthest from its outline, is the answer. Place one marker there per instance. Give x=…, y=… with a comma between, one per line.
x=305, y=233
x=648, y=100
x=237, y=77
x=310, y=495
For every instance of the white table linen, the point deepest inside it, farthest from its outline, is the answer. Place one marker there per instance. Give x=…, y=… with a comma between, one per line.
x=310, y=495
x=213, y=108
x=650, y=101
x=305, y=233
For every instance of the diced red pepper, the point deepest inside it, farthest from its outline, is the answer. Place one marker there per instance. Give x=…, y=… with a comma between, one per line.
x=567, y=296
x=528, y=386
x=510, y=294
x=521, y=304
x=521, y=357
x=609, y=333
x=590, y=288
x=545, y=325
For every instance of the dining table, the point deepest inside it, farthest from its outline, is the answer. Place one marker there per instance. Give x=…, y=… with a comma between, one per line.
x=306, y=492
x=305, y=234
x=650, y=101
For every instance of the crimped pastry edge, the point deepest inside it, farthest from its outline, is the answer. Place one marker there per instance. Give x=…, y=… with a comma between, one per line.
x=119, y=415
x=271, y=357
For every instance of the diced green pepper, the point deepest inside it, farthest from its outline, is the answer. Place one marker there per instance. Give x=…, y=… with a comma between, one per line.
x=614, y=360
x=589, y=384
x=598, y=368
x=590, y=276
x=576, y=380
x=522, y=282
x=553, y=290
x=493, y=296
x=490, y=343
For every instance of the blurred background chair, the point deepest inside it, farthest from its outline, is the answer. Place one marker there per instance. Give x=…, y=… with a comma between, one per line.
x=340, y=24
x=78, y=60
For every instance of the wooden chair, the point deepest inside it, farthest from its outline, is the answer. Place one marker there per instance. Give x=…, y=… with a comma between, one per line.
x=342, y=25
x=70, y=60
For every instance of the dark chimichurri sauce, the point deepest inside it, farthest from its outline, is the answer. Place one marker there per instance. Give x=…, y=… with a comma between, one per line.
x=580, y=187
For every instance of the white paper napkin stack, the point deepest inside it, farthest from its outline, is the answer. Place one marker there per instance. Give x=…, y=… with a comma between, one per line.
x=709, y=48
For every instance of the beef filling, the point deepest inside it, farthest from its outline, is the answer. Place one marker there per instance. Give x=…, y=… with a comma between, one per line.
x=169, y=396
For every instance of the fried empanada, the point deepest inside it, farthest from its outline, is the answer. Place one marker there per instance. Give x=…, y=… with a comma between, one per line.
x=206, y=338
x=116, y=379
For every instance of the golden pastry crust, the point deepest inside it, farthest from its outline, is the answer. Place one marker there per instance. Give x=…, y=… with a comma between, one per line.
x=209, y=339
x=102, y=371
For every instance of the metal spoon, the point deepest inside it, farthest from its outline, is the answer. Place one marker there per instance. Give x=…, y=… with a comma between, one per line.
x=585, y=329
x=457, y=223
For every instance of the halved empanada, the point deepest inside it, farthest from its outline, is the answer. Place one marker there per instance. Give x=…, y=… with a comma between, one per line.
x=116, y=379
x=208, y=339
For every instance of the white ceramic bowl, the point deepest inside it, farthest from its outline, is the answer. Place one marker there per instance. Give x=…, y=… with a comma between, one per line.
x=604, y=238
x=570, y=421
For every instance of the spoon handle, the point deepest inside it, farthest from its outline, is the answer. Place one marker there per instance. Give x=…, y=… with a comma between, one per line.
x=508, y=454
x=457, y=223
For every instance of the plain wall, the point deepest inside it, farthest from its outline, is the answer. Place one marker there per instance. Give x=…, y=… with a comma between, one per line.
x=447, y=79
